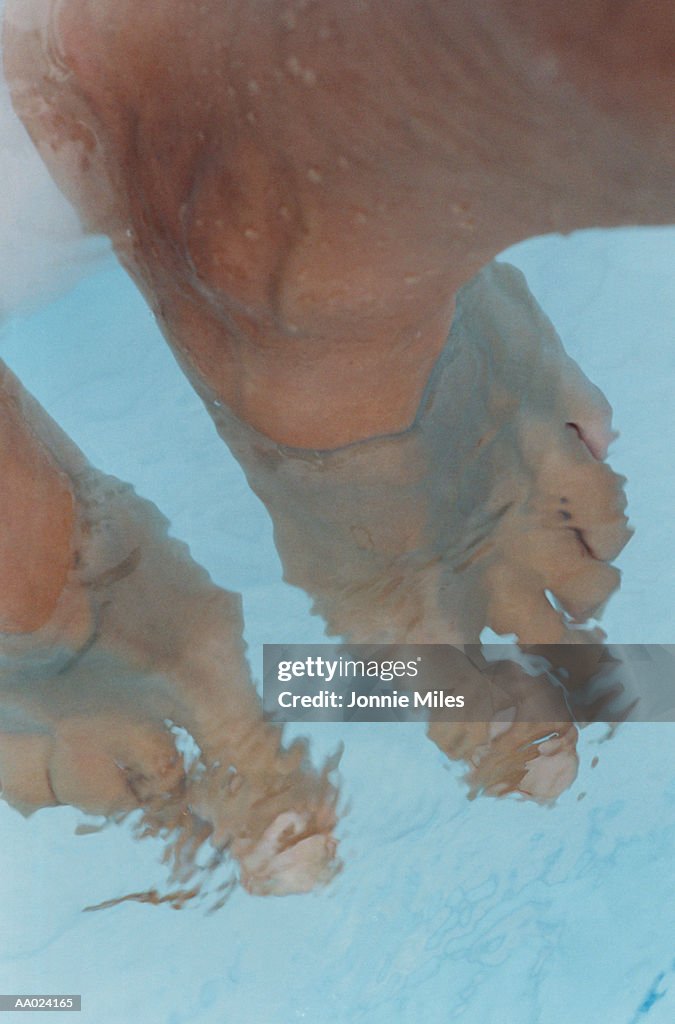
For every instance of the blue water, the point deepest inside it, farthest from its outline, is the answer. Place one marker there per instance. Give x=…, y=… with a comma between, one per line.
x=490, y=911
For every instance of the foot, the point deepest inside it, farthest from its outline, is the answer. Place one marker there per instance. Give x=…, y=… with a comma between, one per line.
x=299, y=324
x=522, y=739
x=87, y=715
x=538, y=515
x=496, y=509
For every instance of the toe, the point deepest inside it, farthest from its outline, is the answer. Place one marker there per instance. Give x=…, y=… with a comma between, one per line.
x=84, y=773
x=583, y=495
x=24, y=771
x=588, y=412
x=583, y=593
x=105, y=766
x=287, y=859
x=151, y=762
x=564, y=566
x=518, y=605
x=521, y=760
x=551, y=772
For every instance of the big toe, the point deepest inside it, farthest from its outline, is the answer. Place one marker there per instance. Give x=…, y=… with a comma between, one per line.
x=287, y=859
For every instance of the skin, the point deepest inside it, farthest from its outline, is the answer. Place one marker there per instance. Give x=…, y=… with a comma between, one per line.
x=301, y=196
x=301, y=214
x=35, y=559
x=142, y=637
x=416, y=539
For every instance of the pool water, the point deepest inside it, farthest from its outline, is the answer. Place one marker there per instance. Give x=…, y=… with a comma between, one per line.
x=447, y=910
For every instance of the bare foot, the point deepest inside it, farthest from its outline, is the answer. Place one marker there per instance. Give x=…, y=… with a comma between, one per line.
x=496, y=498
x=307, y=280
x=519, y=732
x=521, y=738
x=87, y=715
x=306, y=275
x=141, y=641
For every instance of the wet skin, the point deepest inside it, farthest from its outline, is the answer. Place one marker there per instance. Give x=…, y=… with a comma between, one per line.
x=141, y=642
x=301, y=190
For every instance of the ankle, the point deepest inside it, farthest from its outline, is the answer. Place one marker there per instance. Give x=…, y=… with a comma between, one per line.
x=327, y=393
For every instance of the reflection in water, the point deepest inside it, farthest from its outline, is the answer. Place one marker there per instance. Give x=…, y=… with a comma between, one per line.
x=491, y=500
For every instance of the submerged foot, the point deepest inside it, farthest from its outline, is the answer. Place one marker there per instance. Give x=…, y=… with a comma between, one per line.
x=280, y=286
x=519, y=737
x=142, y=645
x=495, y=509
x=537, y=516
x=306, y=282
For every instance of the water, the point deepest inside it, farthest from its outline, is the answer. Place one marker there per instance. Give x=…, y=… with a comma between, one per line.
x=447, y=910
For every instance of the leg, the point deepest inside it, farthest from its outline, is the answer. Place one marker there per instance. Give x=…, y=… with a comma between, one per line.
x=301, y=189
x=36, y=493
x=494, y=498
x=110, y=632
x=292, y=264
